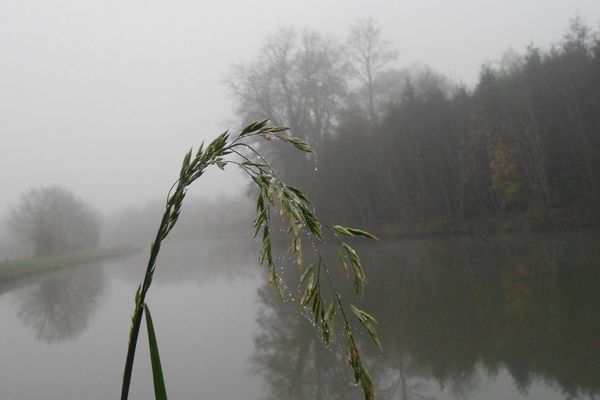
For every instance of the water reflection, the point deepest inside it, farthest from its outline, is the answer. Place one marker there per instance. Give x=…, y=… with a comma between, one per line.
x=452, y=314
x=199, y=262
x=60, y=307
x=291, y=357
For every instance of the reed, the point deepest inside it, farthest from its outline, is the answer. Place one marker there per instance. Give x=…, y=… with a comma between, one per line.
x=294, y=208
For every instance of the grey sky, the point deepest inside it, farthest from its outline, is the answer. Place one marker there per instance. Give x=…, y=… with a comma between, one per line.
x=105, y=97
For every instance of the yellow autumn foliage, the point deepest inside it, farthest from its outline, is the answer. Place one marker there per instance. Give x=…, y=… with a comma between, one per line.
x=504, y=174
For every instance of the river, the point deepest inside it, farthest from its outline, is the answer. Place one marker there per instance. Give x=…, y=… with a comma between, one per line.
x=498, y=317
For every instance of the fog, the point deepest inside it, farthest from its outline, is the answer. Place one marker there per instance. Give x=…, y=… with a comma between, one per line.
x=465, y=135
x=105, y=98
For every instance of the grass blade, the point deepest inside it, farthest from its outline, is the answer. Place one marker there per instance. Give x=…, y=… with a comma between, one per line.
x=160, y=392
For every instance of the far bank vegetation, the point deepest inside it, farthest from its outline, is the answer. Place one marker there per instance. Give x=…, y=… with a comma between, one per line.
x=412, y=151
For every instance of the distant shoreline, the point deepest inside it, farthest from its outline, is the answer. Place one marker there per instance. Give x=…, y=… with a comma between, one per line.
x=17, y=269
x=547, y=222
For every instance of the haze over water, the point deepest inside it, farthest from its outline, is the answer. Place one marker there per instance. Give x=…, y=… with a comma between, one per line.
x=465, y=134
x=459, y=319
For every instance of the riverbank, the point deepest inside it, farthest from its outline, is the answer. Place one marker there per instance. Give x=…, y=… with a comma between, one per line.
x=546, y=220
x=16, y=269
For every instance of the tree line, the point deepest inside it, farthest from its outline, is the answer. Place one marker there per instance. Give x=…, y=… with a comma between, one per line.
x=409, y=148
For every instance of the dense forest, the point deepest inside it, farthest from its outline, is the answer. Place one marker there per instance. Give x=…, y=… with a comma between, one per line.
x=409, y=151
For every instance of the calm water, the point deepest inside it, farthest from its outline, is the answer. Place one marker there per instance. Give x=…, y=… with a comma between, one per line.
x=515, y=317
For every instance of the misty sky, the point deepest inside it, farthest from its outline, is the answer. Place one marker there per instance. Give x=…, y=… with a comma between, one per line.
x=105, y=97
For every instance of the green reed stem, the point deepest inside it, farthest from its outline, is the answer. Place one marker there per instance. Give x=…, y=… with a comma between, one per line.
x=294, y=206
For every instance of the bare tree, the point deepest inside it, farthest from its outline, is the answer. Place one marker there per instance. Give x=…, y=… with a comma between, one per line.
x=299, y=79
x=53, y=220
x=369, y=53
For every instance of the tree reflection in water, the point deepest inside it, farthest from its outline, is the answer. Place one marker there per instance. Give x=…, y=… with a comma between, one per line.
x=292, y=358
x=453, y=313
x=60, y=307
